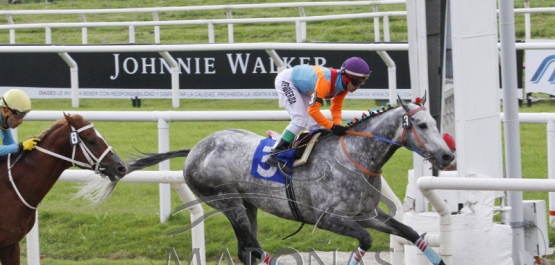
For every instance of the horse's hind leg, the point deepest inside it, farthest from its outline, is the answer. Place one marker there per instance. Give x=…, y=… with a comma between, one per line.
x=9, y=255
x=387, y=224
x=252, y=213
x=240, y=215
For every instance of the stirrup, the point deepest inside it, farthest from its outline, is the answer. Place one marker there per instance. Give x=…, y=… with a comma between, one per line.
x=272, y=160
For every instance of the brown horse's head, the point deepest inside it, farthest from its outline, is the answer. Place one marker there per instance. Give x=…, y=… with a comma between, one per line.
x=93, y=150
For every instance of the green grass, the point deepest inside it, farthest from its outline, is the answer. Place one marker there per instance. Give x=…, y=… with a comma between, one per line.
x=126, y=229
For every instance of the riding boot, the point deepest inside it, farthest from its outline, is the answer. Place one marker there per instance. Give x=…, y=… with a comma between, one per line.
x=280, y=147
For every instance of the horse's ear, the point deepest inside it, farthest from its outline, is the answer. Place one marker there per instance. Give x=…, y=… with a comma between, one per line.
x=424, y=98
x=67, y=116
x=403, y=104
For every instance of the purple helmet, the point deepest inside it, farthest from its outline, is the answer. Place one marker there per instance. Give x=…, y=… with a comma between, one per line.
x=356, y=66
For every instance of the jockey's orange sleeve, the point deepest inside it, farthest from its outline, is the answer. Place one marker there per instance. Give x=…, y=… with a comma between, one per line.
x=322, y=89
x=337, y=106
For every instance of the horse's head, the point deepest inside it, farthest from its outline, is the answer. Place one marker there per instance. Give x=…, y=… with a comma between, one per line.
x=421, y=135
x=95, y=153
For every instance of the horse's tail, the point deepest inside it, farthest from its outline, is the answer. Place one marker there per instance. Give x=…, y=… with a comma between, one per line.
x=154, y=158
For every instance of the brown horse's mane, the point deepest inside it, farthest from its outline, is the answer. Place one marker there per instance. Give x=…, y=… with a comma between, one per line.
x=56, y=125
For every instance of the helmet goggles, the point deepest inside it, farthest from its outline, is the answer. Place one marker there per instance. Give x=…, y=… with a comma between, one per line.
x=16, y=113
x=357, y=81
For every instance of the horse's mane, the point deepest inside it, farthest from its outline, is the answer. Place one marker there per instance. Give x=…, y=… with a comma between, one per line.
x=56, y=125
x=371, y=113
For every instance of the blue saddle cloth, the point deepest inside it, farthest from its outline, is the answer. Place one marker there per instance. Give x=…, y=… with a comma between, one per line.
x=262, y=170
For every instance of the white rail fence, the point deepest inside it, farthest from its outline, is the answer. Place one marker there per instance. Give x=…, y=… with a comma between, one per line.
x=174, y=179
x=300, y=22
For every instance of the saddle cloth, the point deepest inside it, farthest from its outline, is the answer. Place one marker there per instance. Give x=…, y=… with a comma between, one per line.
x=260, y=169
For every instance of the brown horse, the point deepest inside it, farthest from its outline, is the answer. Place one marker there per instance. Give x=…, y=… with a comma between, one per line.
x=26, y=177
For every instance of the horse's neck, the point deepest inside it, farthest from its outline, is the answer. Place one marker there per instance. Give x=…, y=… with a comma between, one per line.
x=40, y=170
x=386, y=125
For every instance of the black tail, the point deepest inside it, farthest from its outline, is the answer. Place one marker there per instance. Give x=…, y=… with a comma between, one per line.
x=153, y=158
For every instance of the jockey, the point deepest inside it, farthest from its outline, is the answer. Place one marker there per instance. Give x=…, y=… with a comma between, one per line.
x=15, y=105
x=303, y=89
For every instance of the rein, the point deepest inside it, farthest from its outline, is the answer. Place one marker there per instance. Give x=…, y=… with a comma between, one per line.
x=13, y=183
x=369, y=135
x=75, y=140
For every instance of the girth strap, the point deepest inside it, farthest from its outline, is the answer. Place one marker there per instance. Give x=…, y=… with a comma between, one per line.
x=290, y=193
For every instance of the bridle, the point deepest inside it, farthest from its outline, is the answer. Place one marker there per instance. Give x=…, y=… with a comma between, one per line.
x=75, y=139
x=407, y=124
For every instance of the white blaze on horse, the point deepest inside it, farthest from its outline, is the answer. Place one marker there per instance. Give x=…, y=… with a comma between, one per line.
x=337, y=189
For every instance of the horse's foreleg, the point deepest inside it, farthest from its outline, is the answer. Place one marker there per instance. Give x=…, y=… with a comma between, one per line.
x=9, y=255
x=387, y=224
x=347, y=227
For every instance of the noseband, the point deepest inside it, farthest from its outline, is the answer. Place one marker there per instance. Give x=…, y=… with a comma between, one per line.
x=75, y=140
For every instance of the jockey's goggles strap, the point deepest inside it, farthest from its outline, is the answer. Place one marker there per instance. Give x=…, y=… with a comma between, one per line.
x=15, y=187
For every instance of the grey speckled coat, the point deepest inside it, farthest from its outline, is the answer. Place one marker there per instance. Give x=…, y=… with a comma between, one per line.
x=331, y=192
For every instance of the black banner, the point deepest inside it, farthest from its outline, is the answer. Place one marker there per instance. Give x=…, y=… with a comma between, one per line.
x=198, y=70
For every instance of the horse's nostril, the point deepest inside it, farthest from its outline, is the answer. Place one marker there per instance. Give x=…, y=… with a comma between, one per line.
x=447, y=157
x=122, y=170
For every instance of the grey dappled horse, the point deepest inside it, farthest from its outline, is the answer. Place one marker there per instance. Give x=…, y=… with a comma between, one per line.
x=337, y=189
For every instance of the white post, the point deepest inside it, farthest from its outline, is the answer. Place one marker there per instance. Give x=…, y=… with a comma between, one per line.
x=211, y=35
x=197, y=232
x=551, y=168
x=174, y=68
x=229, y=15
x=74, y=74
x=33, y=245
x=84, y=30
x=165, y=189
x=527, y=21
x=48, y=35
x=131, y=34
x=418, y=60
x=156, y=28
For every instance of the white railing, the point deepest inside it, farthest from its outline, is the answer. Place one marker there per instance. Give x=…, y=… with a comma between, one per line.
x=300, y=34
x=300, y=22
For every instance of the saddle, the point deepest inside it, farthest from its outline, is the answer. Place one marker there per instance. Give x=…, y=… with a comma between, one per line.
x=302, y=144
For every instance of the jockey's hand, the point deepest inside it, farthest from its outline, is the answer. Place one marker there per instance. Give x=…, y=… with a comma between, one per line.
x=29, y=144
x=338, y=130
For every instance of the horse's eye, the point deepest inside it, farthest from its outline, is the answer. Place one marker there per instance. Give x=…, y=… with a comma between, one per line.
x=91, y=142
x=423, y=126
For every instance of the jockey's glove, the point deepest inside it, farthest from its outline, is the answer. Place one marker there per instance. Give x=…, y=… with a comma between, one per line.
x=29, y=144
x=338, y=130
